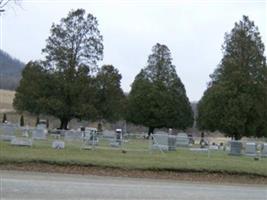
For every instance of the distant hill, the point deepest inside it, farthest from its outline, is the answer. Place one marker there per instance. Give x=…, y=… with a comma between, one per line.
x=10, y=71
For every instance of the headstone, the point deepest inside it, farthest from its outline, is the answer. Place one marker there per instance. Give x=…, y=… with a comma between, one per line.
x=117, y=141
x=251, y=149
x=203, y=142
x=214, y=147
x=7, y=138
x=90, y=136
x=182, y=140
x=39, y=134
x=58, y=144
x=264, y=150
x=118, y=136
x=172, y=143
x=161, y=142
x=21, y=142
x=24, y=131
x=235, y=148
x=41, y=126
x=199, y=149
x=7, y=132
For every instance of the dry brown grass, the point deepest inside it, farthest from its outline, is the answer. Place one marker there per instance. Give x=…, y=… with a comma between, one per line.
x=6, y=100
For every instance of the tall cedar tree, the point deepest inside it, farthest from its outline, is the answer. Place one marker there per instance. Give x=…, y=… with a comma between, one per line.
x=158, y=97
x=235, y=100
x=4, y=118
x=21, y=120
x=110, y=100
x=65, y=88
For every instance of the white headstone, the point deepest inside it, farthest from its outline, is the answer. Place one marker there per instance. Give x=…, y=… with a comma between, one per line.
x=199, y=149
x=58, y=144
x=214, y=147
x=39, y=134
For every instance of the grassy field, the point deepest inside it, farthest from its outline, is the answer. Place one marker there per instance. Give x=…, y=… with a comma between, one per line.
x=136, y=157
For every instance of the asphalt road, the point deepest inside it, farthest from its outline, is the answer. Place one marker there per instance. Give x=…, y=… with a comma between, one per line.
x=26, y=185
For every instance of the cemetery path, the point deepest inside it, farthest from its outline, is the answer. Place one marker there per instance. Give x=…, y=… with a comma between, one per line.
x=27, y=185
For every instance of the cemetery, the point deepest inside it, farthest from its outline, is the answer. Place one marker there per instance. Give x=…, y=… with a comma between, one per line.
x=113, y=148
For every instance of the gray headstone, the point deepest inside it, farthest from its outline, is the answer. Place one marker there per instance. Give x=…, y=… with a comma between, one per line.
x=235, y=148
x=172, y=142
x=117, y=139
x=160, y=141
x=7, y=138
x=251, y=149
x=182, y=140
x=264, y=150
x=8, y=130
x=21, y=142
x=90, y=137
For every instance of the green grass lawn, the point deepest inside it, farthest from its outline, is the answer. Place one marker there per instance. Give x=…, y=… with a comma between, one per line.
x=137, y=157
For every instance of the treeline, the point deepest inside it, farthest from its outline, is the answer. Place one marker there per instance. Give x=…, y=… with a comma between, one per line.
x=10, y=71
x=68, y=83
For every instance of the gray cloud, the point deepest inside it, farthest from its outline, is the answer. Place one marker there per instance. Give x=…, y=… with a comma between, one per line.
x=193, y=30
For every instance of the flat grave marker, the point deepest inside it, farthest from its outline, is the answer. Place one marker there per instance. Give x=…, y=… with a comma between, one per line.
x=58, y=144
x=21, y=142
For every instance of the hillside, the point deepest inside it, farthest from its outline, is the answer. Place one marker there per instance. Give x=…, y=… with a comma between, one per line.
x=10, y=71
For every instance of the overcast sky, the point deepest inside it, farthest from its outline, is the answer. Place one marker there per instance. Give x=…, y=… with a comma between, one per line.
x=193, y=31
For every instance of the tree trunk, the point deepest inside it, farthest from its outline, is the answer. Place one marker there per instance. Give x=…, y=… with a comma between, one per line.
x=100, y=126
x=237, y=136
x=150, y=131
x=64, y=124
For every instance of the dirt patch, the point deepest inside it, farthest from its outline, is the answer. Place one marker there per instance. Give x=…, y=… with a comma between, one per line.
x=118, y=172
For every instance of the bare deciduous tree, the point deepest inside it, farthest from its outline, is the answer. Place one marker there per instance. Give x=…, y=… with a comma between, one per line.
x=4, y=3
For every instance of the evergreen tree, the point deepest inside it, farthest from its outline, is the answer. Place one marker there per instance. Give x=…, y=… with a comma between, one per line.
x=158, y=97
x=21, y=120
x=110, y=100
x=37, y=120
x=4, y=118
x=235, y=100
